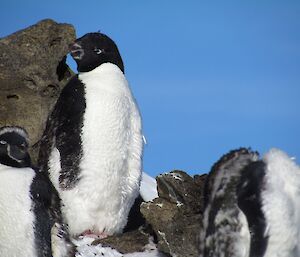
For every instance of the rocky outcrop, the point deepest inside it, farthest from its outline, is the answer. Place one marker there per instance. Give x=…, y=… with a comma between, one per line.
x=33, y=70
x=133, y=241
x=176, y=214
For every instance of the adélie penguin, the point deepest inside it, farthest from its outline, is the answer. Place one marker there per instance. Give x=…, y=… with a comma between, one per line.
x=225, y=229
x=30, y=218
x=92, y=145
x=269, y=195
x=252, y=206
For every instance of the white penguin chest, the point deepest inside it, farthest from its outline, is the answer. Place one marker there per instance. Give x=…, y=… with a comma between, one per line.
x=107, y=125
x=16, y=215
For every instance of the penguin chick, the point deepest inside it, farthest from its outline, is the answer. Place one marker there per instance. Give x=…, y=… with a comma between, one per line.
x=93, y=143
x=225, y=229
x=269, y=195
x=29, y=205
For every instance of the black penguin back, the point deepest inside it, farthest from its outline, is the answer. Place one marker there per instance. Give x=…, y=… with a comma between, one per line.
x=249, y=192
x=65, y=119
x=41, y=194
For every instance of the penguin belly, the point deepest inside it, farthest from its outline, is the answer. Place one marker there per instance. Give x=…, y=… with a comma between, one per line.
x=110, y=167
x=281, y=204
x=16, y=214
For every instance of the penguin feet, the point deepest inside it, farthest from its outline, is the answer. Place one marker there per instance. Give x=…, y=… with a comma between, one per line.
x=89, y=233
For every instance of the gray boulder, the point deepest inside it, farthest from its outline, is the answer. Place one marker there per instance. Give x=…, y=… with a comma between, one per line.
x=129, y=242
x=33, y=71
x=176, y=214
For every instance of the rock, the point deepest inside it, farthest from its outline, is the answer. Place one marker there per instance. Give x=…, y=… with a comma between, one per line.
x=133, y=241
x=176, y=214
x=200, y=180
x=33, y=71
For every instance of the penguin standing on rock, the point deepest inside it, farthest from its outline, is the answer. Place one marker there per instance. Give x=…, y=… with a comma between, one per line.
x=92, y=145
x=30, y=219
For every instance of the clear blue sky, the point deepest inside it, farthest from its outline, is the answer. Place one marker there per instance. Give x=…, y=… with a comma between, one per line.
x=209, y=76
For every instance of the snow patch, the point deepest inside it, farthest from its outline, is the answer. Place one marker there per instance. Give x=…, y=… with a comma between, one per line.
x=86, y=249
x=148, y=189
x=179, y=204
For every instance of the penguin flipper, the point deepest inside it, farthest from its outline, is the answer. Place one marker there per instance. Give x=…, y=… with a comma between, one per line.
x=69, y=114
x=60, y=243
x=64, y=120
x=48, y=205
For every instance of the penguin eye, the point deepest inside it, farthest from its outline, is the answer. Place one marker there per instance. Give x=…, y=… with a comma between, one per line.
x=22, y=146
x=98, y=51
x=2, y=142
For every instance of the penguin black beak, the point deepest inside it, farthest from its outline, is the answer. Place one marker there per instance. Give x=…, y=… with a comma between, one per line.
x=74, y=47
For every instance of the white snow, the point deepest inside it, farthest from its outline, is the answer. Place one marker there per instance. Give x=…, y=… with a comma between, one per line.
x=178, y=203
x=85, y=249
x=148, y=187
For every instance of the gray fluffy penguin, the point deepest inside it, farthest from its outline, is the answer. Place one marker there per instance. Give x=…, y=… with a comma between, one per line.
x=225, y=228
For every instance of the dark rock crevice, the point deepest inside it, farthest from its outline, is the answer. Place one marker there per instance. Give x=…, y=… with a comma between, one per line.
x=63, y=71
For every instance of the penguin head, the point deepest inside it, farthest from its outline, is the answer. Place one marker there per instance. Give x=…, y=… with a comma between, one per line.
x=94, y=49
x=14, y=147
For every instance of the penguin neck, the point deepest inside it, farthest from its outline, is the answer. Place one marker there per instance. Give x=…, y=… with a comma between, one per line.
x=106, y=77
x=102, y=69
x=5, y=160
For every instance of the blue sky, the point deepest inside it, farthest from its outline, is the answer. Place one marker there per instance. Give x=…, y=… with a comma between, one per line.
x=209, y=76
